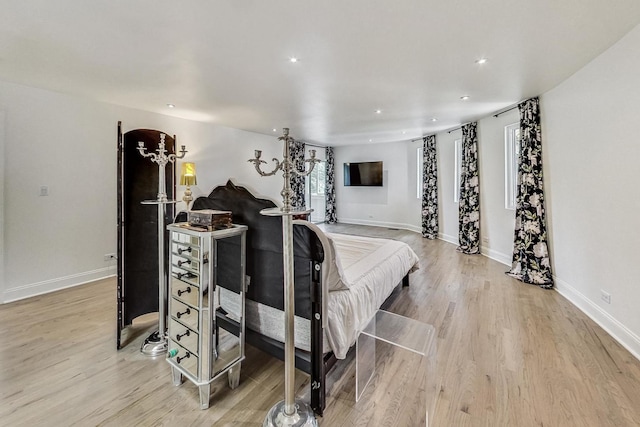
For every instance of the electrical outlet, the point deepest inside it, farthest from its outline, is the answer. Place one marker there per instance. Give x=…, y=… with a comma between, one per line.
x=605, y=296
x=370, y=216
x=109, y=257
x=485, y=240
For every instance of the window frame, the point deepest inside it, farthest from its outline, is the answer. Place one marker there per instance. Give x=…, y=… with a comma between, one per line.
x=419, y=166
x=511, y=158
x=457, y=169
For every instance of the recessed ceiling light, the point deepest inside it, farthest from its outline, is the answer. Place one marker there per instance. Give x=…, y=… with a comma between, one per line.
x=464, y=97
x=170, y=105
x=371, y=140
x=378, y=111
x=274, y=129
x=293, y=59
x=434, y=119
x=404, y=131
x=481, y=61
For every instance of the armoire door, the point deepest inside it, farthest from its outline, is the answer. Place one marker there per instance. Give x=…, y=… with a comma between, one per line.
x=138, y=291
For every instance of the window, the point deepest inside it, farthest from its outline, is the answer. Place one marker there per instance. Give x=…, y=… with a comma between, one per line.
x=419, y=173
x=457, y=170
x=315, y=184
x=317, y=179
x=511, y=154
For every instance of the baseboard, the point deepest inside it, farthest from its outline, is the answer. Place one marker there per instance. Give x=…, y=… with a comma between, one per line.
x=497, y=256
x=448, y=238
x=39, y=288
x=489, y=253
x=617, y=330
x=401, y=226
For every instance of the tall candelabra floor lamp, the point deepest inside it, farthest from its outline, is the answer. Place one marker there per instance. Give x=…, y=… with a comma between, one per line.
x=156, y=343
x=288, y=412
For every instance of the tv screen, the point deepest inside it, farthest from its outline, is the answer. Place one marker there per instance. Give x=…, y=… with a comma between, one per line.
x=363, y=174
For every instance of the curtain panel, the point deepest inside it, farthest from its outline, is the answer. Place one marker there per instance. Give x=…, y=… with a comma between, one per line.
x=296, y=153
x=330, y=189
x=469, y=206
x=531, y=262
x=429, y=188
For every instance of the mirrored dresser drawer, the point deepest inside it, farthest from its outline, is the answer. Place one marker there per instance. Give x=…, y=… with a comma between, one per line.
x=202, y=347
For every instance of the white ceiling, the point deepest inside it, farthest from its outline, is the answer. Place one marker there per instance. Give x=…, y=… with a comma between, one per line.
x=227, y=62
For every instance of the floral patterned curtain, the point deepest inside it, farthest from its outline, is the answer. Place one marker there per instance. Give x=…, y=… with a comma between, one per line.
x=296, y=152
x=531, y=263
x=330, y=190
x=429, y=188
x=469, y=206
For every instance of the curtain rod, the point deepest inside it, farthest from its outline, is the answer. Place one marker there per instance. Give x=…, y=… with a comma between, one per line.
x=314, y=145
x=448, y=131
x=421, y=138
x=513, y=107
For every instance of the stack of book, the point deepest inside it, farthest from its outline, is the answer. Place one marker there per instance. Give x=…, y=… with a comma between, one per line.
x=209, y=219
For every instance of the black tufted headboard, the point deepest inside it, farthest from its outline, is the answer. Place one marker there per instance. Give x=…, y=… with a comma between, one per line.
x=264, y=248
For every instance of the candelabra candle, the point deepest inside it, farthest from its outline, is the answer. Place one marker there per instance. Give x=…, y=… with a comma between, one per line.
x=288, y=412
x=156, y=343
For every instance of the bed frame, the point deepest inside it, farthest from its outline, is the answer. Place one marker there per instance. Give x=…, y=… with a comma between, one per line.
x=265, y=277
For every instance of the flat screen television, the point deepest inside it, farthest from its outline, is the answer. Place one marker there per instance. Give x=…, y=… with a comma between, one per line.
x=363, y=174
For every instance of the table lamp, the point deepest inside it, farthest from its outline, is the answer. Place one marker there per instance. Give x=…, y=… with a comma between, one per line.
x=188, y=178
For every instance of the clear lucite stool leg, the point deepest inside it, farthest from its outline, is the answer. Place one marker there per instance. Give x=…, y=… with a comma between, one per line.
x=432, y=385
x=365, y=362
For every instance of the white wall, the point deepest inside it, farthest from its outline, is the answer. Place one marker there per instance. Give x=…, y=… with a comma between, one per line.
x=591, y=154
x=69, y=144
x=395, y=203
x=496, y=222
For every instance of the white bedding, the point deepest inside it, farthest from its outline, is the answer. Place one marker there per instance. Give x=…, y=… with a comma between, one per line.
x=364, y=271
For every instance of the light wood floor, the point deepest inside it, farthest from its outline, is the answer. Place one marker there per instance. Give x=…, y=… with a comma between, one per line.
x=508, y=354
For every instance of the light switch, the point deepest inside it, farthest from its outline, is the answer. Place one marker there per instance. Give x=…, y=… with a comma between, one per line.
x=44, y=190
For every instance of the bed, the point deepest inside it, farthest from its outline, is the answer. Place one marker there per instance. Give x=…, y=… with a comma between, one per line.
x=340, y=282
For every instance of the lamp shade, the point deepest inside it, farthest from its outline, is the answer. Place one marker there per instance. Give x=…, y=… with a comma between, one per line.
x=188, y=174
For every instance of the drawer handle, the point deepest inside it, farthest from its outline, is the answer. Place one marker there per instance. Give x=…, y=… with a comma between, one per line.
x=180, y=250
x=186, y=334
x=184, y=262
x=186, y=275
x=187, y=311
x=186, y=356
x=186, y=291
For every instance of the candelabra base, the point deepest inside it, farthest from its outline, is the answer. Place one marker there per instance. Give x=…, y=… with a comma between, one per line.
x=303, y=416
x=154, y=345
